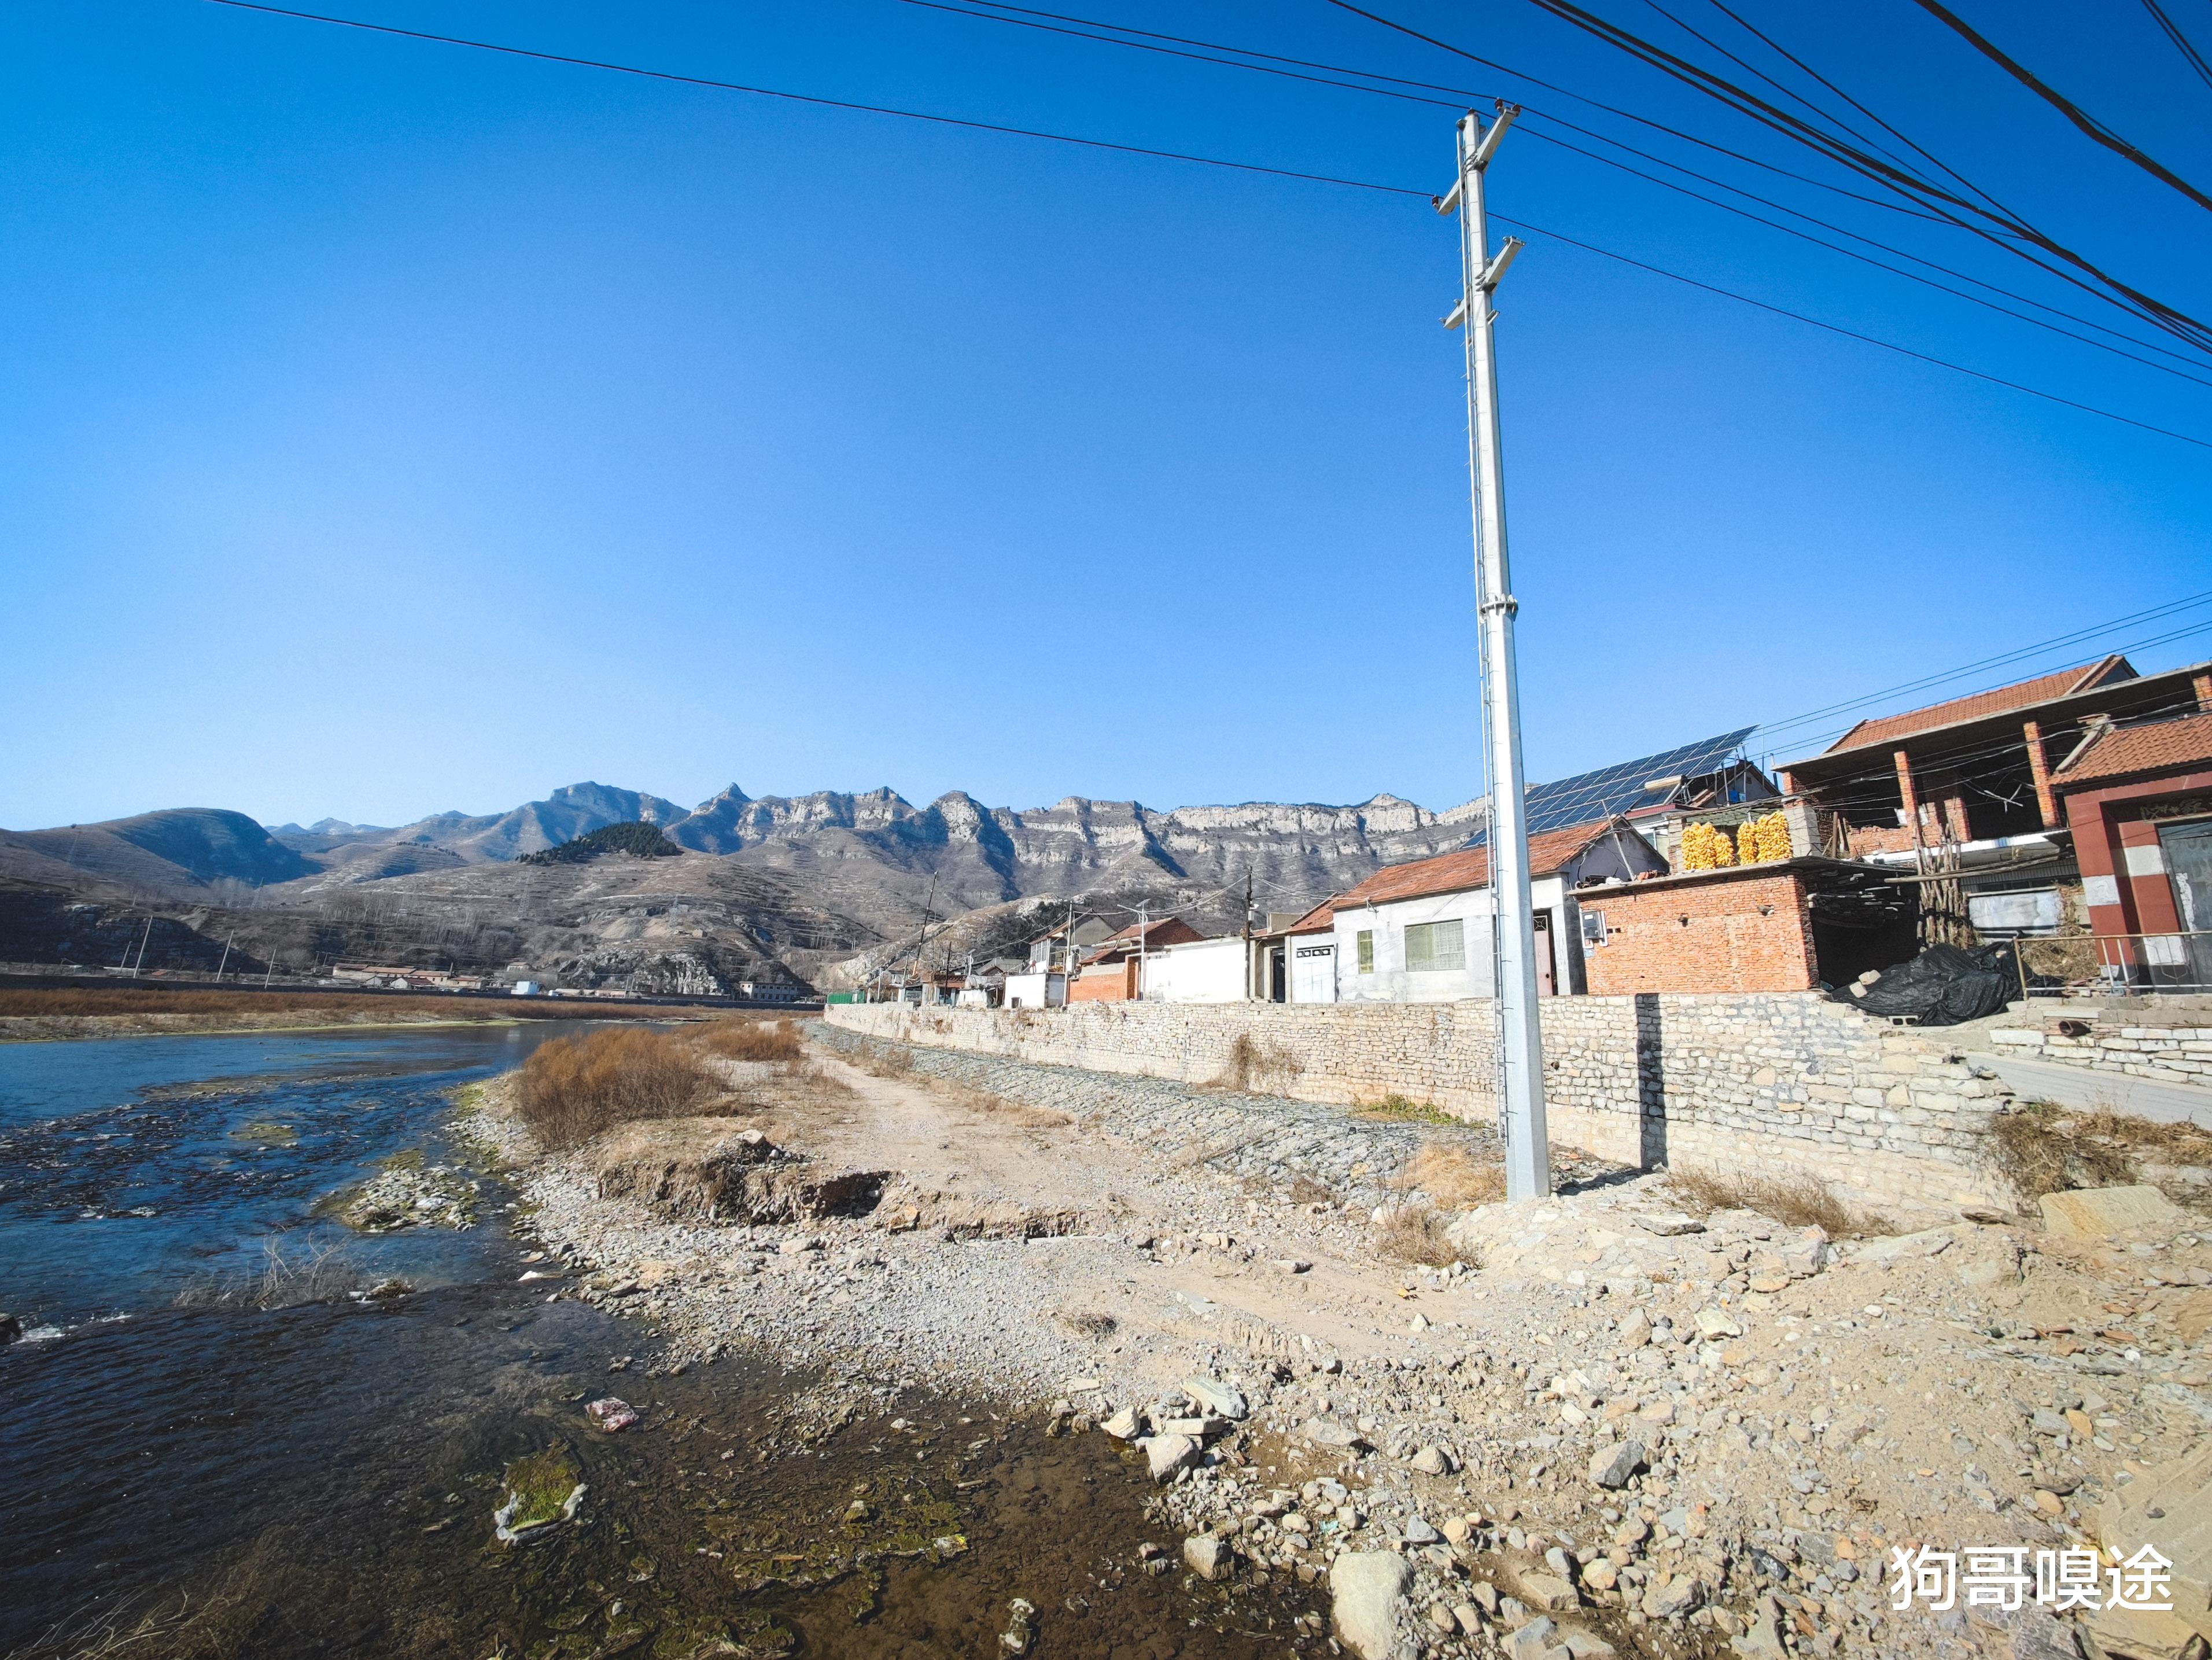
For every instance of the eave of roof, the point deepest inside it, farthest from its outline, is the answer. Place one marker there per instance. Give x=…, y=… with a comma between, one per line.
x=1832, y=764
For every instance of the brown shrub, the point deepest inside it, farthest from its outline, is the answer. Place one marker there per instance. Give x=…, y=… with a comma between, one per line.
x=1452, y=1176
x=1253, y=1060
x=1415, y=1233
x=1795, y=1202
x=2040, y=1148
x=572, y=1088
x=736, y=1038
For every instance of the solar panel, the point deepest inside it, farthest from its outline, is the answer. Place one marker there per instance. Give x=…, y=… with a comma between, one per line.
x=1625, y=785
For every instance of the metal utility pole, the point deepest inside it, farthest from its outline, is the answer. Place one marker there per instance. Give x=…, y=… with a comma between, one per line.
x=1520, y=1038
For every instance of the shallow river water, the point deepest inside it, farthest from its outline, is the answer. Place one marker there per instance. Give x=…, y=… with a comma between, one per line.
x=319, y=1478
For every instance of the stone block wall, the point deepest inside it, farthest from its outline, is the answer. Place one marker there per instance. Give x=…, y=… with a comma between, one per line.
x=1762, y=1084
x=2103, y=1042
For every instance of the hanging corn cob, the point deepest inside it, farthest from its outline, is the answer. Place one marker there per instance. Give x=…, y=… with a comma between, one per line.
x=1773, y=837
x=1746, y=842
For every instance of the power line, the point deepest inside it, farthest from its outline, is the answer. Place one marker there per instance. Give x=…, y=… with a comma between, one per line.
x=826, y=103
x=1851, y=334
x=2181, y=42
x=1202, y=160
x=2187, y=603
x=2087, y=123
x=1210, y=47
x=1952, y=207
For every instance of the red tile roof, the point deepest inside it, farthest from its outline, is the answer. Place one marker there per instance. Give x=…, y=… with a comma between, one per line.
x=1451, y=873
x=2021, y=695
x=2150, y=748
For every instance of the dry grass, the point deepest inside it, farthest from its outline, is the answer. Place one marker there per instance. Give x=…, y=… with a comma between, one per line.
x=1452, y=1176
x=1253, y=1062
x=2041, y=1148
x=1415, y=1233
x=1795, y=1202
x=31, y=1002
x=572, y=1088
x=883, y=1060
x=738, y=1038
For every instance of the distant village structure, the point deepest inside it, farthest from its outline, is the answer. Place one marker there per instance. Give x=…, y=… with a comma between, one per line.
x=2070, y=813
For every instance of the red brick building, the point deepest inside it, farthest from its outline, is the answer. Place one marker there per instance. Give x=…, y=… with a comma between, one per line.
x=1787, y=926
x=2139, y=801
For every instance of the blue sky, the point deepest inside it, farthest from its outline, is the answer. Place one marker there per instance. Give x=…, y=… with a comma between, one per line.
x=389, y=428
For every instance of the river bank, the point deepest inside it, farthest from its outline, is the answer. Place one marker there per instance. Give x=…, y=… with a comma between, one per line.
x=206, y=1463
x=1664, y=1433
x=54, y=1015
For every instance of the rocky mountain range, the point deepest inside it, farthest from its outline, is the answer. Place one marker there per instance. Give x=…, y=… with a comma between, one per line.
x=813, y=888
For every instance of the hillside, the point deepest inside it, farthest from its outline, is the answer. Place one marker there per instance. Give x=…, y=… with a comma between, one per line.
x=771, y=889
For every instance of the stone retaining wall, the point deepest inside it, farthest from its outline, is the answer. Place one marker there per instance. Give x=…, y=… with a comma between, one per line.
x=1763, y=1085
x=2165, y=1053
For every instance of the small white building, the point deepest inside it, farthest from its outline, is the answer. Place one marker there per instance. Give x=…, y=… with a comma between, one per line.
x=1198, y=971
x=1420, y=933
x=1038, y=989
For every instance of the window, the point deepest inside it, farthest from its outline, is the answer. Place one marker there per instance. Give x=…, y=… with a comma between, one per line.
x=1364, y=940
x=1436, y=947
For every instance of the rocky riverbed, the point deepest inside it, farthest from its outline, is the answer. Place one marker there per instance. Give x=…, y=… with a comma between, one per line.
x=1598, y=1423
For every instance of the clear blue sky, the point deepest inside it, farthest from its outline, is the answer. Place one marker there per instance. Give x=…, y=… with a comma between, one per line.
x=387, y=428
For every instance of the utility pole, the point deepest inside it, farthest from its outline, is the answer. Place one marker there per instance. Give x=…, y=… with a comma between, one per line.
x=1143, y=906
x=1251, y=970
x=1521, y=1037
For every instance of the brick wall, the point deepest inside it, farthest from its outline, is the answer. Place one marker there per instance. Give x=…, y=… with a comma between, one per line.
x=1765, y=1083
x=1719, y=931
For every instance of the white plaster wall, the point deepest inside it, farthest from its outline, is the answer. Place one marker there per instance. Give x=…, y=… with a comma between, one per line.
x=1203, y=972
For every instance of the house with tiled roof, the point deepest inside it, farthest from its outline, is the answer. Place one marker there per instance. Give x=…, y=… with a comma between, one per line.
x=1421, y=932
x=1960, y=798
x=2138, y=798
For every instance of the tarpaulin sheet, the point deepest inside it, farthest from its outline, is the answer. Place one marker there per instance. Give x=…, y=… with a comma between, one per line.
x=1944, y=986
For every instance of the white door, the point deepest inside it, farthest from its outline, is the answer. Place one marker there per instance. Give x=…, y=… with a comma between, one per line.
x=1313, y=974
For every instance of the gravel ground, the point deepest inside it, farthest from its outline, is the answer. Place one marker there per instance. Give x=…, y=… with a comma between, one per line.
x=1606, y=1425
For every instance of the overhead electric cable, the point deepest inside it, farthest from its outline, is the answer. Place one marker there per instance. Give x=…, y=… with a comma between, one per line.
x=827, y=103
x=1953, y=207
x=1202, y=160
x=2188, y=602
x=969, y=8
x=2087, y=123
x=1851, y=334
x=2182, y=43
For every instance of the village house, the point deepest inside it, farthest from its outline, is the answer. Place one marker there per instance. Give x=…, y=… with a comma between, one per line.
x=1421, y=932
x=2138, y=801
x=1111, y=970
x=1964, y=792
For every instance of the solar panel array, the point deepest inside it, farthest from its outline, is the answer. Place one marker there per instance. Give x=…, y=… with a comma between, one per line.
x=1624, y=786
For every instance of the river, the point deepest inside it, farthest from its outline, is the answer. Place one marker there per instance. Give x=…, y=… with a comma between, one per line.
x=227, y=1478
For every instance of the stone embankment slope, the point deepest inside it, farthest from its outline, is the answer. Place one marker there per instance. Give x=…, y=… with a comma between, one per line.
x=1593, y=1421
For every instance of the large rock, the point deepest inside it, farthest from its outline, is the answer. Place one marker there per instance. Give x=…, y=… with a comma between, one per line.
x=1166, y=1454
x=1210, y=1396
x=1611, y=1467
x=1541, y=1589
x=1674, y=1599
x=2092, y=1213
x=1367, y=1589
x=1539, y=1640
x=1328, y=1432
x=1207, y=1557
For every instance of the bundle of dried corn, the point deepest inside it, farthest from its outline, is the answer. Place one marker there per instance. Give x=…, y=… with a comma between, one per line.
x=1773, y=837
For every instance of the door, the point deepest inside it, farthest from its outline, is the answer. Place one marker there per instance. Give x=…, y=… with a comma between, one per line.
x=2188, y=857
x=1313, y=974
x=1545, y=983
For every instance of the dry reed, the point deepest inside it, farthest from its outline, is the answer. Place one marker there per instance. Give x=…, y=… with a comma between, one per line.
x=1415, y=1233
x=1452, y=1176
x=572, y=1088
x=1795, y=1202
x=736, y=1038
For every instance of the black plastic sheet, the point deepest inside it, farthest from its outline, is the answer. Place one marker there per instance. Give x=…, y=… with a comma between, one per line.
x=1944, y=986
